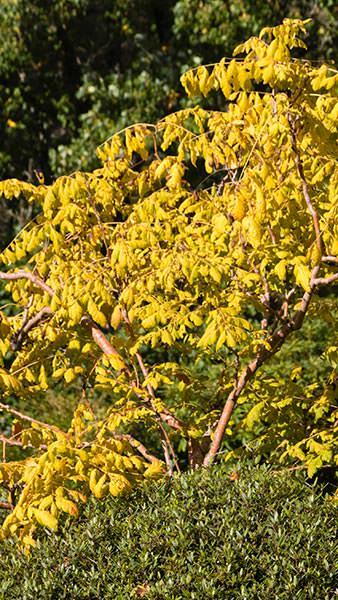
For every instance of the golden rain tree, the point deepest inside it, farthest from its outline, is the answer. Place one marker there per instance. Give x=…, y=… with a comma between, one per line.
x=209, y=235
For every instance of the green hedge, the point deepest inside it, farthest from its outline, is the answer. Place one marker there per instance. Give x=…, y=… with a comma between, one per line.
x=264, y=536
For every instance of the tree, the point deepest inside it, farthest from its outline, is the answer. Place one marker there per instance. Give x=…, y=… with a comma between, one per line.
x=204, y=239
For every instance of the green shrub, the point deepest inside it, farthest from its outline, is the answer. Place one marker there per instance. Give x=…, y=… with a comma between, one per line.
x=264, y=536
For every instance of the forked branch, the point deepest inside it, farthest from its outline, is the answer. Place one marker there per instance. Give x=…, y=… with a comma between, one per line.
x=275, y=342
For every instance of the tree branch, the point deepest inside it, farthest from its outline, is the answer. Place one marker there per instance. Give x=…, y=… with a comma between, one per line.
x=330, y=259
x=275, y=342
x=326, y=280
x=305, y=188
x=10, y=442
x=42, y=315
x=30, y=276
x=15, y=412
x=99, y=337
x=136, y=444
x=163, y=415
x=6, y=505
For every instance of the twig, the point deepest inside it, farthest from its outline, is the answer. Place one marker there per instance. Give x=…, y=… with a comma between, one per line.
x=326, y=280
x=42, y=315
x=306, y=194
x=10, y=442
x=330, y=259
x=15, y=412
x=136, y=444
x=6, y=505
x=164, y=416
x=30, y=276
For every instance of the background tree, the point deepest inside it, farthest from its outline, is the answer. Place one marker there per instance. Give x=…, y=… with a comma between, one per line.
x=75, y=71
x=202, y=240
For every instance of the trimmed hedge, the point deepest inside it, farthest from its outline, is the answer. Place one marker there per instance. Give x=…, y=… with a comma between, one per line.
x=263, y=536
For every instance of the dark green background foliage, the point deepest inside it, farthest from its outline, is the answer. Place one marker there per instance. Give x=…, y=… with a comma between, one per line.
x=73, y=72
x=266, y=536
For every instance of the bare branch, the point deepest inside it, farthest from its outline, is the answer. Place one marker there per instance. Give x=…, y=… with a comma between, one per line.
x=165, y=415
x=15, y=412
x=10, y=442
x=330, y=259
x=6, y=505
x=99, y=337
x=136, y=444
x=42, y=315
x=305, y=188
x=30, y=276
x=326, y=280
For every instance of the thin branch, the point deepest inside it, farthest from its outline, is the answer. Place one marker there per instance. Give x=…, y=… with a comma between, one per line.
x=42, y=315
x=99, y=338
x=15, y=412
x=136, y=444
x=30, y=276
x=272, y=235
x=275, y=342
x=330, y=259
x=326, y=280
x=165, y=415
x=305, y=188
x=6, y=505
x=10, y=442
x=167, y=458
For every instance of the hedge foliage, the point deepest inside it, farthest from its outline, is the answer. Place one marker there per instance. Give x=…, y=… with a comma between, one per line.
x=264, y=535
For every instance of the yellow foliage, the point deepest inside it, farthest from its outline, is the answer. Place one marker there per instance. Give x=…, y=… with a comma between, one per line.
x=219, y=217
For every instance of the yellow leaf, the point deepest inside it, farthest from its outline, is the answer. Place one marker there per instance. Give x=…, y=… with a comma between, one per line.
x=43, y=378
x=116, y=317
x=46, y=519
x=253, y=415
x=66, y=505
x=240, y=208
x=260, y=205
x=280, y=269
x=116, y=362
x=58, y=373
x=29, y=541
x=69, y=375
x=303, y=276
x=254, y=233
x=220, y=223
x=268, y=73
x=96, y=314
x=221, y=340
x=154, y=470
x=118, y=485
x=215, y=274
x=75, y=312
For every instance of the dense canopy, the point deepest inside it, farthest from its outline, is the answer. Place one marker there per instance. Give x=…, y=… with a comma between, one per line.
x=203, y=240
